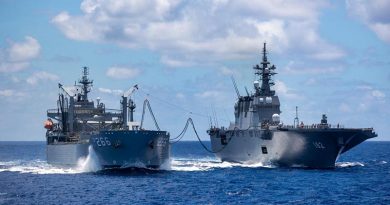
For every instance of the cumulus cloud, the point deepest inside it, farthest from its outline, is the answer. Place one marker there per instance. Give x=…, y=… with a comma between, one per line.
x=202, y=30
x=373, y=13
x=122, y=72
x=41, y=76
x=19, y=54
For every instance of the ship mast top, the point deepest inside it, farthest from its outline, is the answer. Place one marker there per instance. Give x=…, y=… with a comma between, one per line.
x=86, y=84
x=265, y=72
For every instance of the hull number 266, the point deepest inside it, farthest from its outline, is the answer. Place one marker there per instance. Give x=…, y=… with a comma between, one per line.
x=102, y=142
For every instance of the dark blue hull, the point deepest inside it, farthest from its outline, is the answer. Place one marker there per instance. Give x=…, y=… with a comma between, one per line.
x=131, y=148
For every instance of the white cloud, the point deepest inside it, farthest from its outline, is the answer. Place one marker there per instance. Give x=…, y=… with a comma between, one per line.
x=311, y=81
x=174, y=62
x=41, y=76
x=24, y=51
x=282, y=90
x=6, y=93
x=180, y=96
x=122, y=72
x=211, y=94
x=370, y=93
x=110, y=91
x=378, y=94
x=369, y=98
x=345, y=108
x=19, y=54
x=11, y=93
x=15, y=79
x=373, y=13
x=202, y=30
x=294, y=67
x=227, y=71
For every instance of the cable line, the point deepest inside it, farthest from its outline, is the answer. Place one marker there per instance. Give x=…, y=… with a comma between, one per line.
x=146, y=103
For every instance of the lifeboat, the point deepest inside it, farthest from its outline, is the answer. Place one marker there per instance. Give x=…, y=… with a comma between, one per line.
x=48, y=124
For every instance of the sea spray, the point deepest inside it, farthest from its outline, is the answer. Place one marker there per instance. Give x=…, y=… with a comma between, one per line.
x=90, y=163
x=348, y=164
x=167, y=165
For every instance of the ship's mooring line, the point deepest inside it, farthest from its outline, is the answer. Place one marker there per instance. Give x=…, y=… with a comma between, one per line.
x=146, y=103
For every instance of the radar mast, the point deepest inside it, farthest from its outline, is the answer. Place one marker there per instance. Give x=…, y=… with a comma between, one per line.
x=265, y=72
x=86, y=84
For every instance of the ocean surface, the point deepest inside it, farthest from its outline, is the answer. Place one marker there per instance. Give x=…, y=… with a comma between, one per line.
x=361, y=176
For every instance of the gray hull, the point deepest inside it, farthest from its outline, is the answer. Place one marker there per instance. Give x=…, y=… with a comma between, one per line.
x=131, y=148
x=310, y=148
x=66, y=153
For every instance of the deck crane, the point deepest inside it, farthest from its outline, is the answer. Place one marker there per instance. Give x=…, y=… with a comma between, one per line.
x=130, y=104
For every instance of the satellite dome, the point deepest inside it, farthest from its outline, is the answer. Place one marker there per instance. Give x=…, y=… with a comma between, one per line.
x=275, y=118
x=256, y=83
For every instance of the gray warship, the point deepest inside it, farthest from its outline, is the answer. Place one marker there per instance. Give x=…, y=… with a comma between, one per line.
x=77, y=127
x=258, y=136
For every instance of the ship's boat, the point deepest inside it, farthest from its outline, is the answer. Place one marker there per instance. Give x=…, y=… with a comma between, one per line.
x=78, y=127
x=258, y=136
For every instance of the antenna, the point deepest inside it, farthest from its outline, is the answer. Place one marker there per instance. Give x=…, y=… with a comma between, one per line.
x=214, y=115
x=235, y=87
x=296, y=119
x=246, y=89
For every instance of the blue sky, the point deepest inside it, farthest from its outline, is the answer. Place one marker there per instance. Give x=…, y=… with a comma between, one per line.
x=332, y=57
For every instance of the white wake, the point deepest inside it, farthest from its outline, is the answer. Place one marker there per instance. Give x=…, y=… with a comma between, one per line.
x=348, y=164
x=38, y=166
x=207, y=164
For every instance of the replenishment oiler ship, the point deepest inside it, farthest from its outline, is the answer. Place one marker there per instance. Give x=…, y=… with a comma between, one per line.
x=258, y=136
x=78, y=127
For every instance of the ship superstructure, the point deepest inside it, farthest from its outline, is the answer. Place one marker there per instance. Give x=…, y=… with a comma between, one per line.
x=77, y=123
x=257, y=136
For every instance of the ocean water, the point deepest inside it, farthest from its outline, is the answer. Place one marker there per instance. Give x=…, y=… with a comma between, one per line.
x=362, y=176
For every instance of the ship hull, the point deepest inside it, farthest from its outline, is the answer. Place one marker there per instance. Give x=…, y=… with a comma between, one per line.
x=67, y=154
x=131, y=148
x=115, y=149
x=307, y=148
